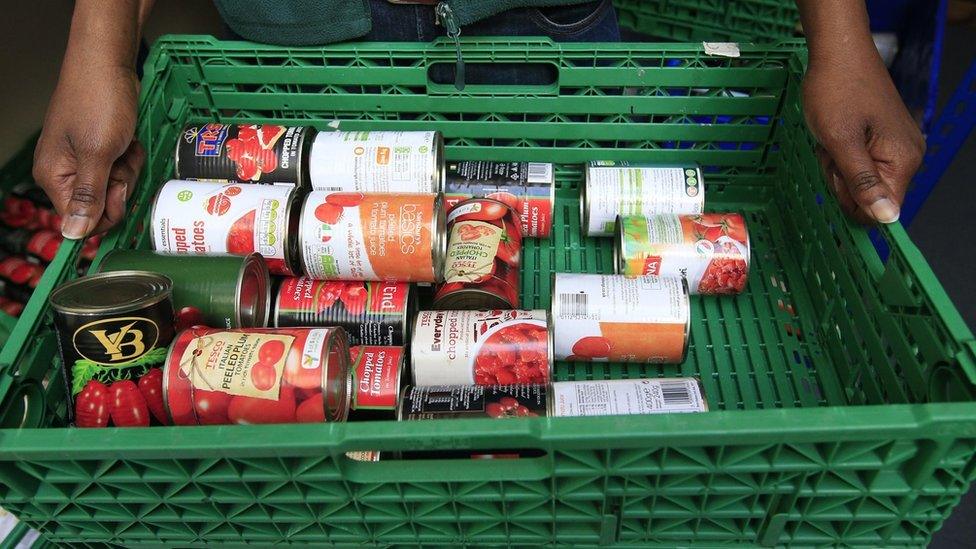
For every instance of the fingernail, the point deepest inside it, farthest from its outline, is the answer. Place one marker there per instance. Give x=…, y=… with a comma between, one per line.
x=74, y=226
x=884, y=211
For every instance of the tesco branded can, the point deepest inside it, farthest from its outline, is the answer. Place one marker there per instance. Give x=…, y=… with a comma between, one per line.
x=372, y=236
x=243, y=153
x=484, y=248
x=620, y=319
x=373, y=313
x=526, y=187
x=474, y=401
x=204, y=218
x=378, y=162
x=481, y=347
x=376, y=374
x=257, y=375
x=620, y=188
x=711, y=251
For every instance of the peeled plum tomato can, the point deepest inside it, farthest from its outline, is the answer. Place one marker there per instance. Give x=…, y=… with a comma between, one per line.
x=474, y=401
x=243, y=153
x=620, y=319
x=372, y=236
x=257, y=375
x=620, y=188
x=205, y=218
x=484, y=249
x=372, y=313
x=220, y=291
x=378, y=162
x=527, y=187
x=376, y=372
x=112, y=327
x=622, y=397
x=481, y=348
x=711, y=251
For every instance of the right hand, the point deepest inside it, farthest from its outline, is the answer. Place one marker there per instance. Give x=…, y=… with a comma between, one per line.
x=86, y=158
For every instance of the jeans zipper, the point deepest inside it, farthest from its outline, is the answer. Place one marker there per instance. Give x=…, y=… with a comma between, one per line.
x=445, y=17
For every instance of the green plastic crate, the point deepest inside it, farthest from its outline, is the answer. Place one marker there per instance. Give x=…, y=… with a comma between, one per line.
x=711, y=20
x=841, y=386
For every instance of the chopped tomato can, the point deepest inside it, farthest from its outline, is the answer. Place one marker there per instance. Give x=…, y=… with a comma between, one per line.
x=474, y=401
x=526, y=187
x=243, y=153
x=376, y=372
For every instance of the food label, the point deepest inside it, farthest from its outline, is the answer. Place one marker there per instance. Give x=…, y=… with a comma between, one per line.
x=626, y=397
x=615, y=318
x=711, y=251
x=472, y=401
x=614, y=189
x=201, y=218
x=527, y=187
x=355, y=236
x=471, y=254
x=230, y=362
x=377, y=377
x=482, y=347
x=374, y=162
x=259, y=153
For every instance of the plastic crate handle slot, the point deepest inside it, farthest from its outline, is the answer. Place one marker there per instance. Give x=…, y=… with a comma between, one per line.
x=472, y=67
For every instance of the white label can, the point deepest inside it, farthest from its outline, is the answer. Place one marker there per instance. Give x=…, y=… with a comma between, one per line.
x=619, y=188
x=377, y=162
x=626, y=397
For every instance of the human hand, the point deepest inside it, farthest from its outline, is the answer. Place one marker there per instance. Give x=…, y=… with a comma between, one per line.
x=870, y=147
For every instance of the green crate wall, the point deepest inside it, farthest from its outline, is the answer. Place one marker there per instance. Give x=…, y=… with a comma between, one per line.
x=711, y=20
x=841, y=386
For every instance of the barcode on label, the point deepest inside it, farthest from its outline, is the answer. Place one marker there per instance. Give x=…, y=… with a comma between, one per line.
x=573, y=305
x=329, y=189
x=675, y=393
x=540, y=172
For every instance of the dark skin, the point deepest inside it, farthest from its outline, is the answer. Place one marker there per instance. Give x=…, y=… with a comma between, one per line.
x=88, y=160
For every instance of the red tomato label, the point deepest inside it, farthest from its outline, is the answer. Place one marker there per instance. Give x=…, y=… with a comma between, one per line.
x=243, y=364
x=377, y=371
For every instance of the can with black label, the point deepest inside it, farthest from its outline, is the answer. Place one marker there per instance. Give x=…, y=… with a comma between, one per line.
x=243, y=153
x=526, y=187
x=474, y=401
x=113, y=330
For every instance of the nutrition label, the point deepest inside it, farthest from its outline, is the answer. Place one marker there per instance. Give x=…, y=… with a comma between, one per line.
x=626, y=397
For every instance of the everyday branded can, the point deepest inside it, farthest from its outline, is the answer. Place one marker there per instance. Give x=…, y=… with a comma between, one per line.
x=245, y=153
x=526, y=187
x=619, y=188
x=257, y=375
x=378, y=162
x=219, y=291
x=711, y=251
x=202, y=218
x=626, y=397
x=113, y=329
x=376, y=374
x=619, y=319
x=474, y=401
x=373, y=313
x=357, y=236
x=484, y=248
x=481, y=347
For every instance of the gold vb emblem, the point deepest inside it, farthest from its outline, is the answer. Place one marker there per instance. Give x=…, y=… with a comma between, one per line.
x=114, y=341
x=126, y=337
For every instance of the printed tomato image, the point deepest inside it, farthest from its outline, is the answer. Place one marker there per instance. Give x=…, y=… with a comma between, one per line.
x=508, y=407
x=93, y=405
x=248, y=153
x=525, y=187
x=711, y=251
x=257, y=375
x=475, y=401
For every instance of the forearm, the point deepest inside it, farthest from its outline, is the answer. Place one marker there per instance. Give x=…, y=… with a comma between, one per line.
x=105, y=33
x=838, y=32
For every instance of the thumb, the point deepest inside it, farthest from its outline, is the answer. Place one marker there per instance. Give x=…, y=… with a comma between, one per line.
x=87, y=200
x=866, y=187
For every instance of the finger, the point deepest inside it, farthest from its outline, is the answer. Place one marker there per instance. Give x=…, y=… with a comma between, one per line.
x=51, y=162
x=115, y=209
x=860, y=173
x=135, y=158
x=121, y=182
x=844, y=198
x=87, y=198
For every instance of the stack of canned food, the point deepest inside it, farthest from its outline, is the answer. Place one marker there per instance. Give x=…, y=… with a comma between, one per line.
x=362, y=256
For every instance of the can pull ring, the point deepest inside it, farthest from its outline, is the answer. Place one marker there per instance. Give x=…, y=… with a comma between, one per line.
x=445, y=16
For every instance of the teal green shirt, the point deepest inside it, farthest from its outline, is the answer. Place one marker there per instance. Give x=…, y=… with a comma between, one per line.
x=308, y=22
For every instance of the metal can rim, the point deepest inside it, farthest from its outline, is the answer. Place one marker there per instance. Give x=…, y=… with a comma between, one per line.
x=619, y=261
x=584, y=202
x=413, y=355
x=290, y=247
x=301, y=164
x=438, y=238
x=439, y=173
x=337, y=336
x=251, y=262
x=438, y=305
x=152, y=213
x=163, y=292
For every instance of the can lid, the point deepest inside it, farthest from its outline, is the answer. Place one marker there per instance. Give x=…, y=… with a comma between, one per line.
x=471, y=299
x=113, y=292
x=619, y=256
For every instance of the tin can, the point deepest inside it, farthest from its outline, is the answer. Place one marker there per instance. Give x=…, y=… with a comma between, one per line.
x=627, y=397
x=257, y=375
x=376, y=381
x=484, y=249
x=243, y=153
x=481, y=347
x=113, y=329
x=474, y=401
x=201, y=218
x=42, y=244
x=21, y=275
x=356, y=236
x=711, y=251
x=526, y=187
x=373, y=313
x=378, y=162
x=219, y=291
x=619, y=319
x=619, y=188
